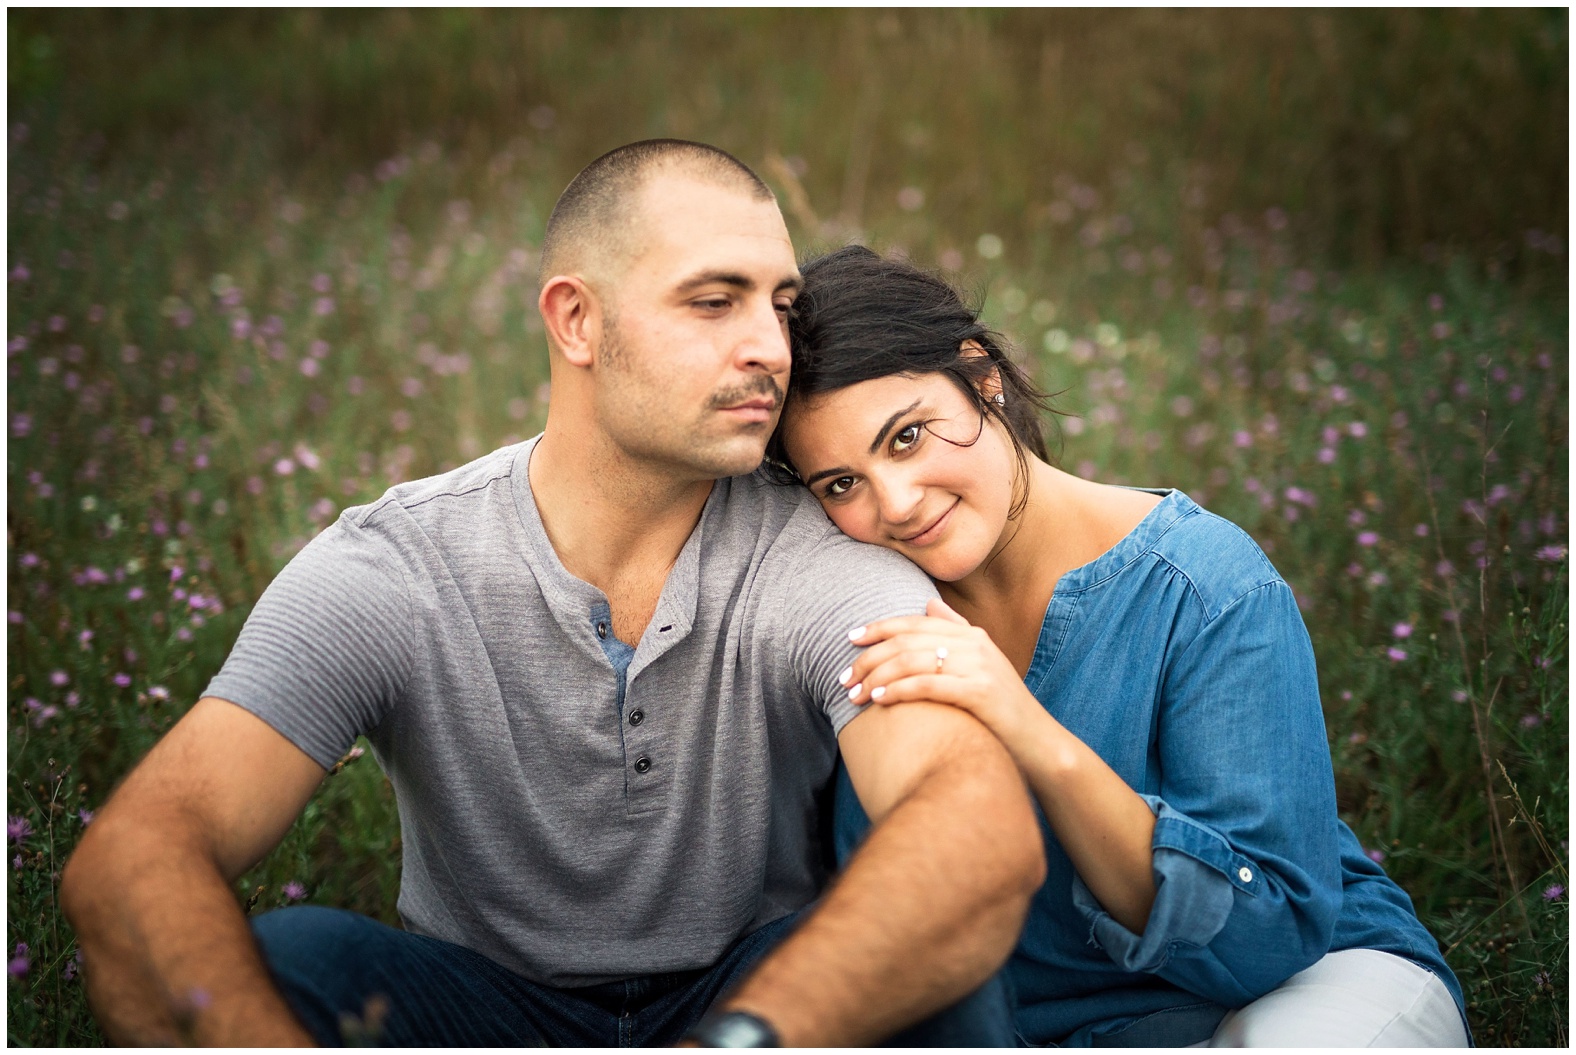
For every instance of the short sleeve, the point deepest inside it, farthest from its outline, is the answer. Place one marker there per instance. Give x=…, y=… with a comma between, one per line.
x=328, y=646
x=836, y=585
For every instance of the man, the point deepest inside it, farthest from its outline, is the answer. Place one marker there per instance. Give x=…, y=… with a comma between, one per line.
x=601, y=670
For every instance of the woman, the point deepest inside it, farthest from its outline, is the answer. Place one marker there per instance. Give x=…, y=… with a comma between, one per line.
x=1147, y=669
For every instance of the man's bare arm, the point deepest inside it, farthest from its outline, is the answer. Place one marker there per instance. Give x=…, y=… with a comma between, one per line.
x=932, y=903
x=168, y=957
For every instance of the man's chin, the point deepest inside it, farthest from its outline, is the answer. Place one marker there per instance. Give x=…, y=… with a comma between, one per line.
x=728, y=459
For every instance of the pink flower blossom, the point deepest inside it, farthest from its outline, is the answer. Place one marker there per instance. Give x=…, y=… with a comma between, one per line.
x=1376, y=856
x=1396, y=654
x=1367, y=538
x=1401, y=630
x=293, y=891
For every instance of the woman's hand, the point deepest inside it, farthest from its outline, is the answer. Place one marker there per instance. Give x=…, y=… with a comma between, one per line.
x=939, y=658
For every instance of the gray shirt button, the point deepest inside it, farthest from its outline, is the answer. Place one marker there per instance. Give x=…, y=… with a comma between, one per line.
x=636, y=717
x=642, y=764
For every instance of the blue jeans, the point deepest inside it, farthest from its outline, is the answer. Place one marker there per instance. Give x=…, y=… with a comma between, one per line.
x=354, y=981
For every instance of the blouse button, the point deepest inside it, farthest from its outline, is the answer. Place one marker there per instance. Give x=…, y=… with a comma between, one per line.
x=1245, y=874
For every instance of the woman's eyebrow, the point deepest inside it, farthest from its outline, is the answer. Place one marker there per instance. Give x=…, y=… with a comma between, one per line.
x=882, y=435
x=815, y=478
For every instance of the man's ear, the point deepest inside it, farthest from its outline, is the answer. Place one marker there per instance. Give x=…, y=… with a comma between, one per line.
x=990, y=384
x=573, y=318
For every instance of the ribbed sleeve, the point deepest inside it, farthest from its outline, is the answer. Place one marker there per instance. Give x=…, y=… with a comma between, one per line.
x=838, y=585
x=328, y=646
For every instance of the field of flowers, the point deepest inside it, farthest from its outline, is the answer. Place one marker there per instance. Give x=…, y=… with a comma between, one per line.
x=241, y=300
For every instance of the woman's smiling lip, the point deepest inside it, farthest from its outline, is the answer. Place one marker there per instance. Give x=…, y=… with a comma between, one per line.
x=930, y=534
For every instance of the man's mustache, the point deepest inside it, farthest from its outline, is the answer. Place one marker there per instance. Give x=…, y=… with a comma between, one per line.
x=763, y=386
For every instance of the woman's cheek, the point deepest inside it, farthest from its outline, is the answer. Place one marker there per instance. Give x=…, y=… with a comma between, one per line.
x=854, y=522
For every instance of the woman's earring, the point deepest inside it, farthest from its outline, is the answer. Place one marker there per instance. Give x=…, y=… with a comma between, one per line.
x=1000, y=399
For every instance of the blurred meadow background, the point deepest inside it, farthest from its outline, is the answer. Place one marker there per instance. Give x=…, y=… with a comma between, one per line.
x=1308, y=266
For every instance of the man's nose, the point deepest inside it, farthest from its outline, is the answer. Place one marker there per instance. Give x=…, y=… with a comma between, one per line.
x=764, y=343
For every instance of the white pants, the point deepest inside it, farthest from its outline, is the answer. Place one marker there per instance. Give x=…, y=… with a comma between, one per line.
x=1356, y=998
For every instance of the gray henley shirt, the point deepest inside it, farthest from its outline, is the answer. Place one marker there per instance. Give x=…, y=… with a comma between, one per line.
x=575, y=809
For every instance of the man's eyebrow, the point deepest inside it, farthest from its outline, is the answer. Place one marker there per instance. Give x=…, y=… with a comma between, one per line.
x=735, y=279
x=882, y=435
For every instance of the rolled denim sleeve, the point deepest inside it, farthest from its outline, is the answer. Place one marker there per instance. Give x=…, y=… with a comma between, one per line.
x=1246, y=863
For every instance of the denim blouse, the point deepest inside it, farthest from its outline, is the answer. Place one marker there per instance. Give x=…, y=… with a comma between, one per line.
x=1180, y=657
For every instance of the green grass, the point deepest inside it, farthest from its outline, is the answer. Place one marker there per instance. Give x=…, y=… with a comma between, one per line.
x=1233, y=244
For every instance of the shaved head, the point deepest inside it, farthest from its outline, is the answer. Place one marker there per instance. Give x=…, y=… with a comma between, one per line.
x=595, y=226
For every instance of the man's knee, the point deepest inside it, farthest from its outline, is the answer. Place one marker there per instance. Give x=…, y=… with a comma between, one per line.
x=325, y=963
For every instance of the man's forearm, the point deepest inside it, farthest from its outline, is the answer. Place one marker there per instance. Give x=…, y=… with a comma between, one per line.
x=929, y=907
x=168, y=957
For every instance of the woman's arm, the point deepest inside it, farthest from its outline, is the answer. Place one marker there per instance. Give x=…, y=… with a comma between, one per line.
x=1104, y=826
x=1243, y=831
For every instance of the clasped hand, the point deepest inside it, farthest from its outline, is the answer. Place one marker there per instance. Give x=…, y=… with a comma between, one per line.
x=901, y=660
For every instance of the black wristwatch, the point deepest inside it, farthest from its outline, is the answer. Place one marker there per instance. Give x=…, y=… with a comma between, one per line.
x=734, y=1029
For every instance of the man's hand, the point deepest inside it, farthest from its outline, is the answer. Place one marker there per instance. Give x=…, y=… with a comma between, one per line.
x=930, y=906
x=168, y=957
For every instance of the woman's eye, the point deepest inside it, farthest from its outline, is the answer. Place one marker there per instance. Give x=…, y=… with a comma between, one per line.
x=905, y=439
x=839, y=486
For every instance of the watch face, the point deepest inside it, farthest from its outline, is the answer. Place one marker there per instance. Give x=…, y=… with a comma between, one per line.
x=734, y=1029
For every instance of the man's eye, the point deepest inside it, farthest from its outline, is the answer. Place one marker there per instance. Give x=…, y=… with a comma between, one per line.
x=839, y=486
x=905, y=439
x=712, y=303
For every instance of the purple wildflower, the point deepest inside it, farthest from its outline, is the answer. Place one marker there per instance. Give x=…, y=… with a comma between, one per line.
x=1396, y=654
x=1531, y=721
x=1402, y=630
x=17, y=828
x=1553, y=554
x=121, y=680
x=294, y=891
x=134, y=594
x=20, y=964
x=85, y=816
x=59, y=679
x=1367, y=538
x=1553, y=892
x=1376, y=856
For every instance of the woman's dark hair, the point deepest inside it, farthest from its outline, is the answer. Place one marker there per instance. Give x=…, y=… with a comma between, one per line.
x=862, y=316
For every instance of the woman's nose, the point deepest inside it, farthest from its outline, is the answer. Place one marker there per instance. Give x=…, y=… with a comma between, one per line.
x=898, y=498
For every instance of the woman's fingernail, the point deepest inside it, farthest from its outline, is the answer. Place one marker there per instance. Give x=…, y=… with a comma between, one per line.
x=856, y=633
x=853, y=692
x=878, y=692
x=842, y=679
